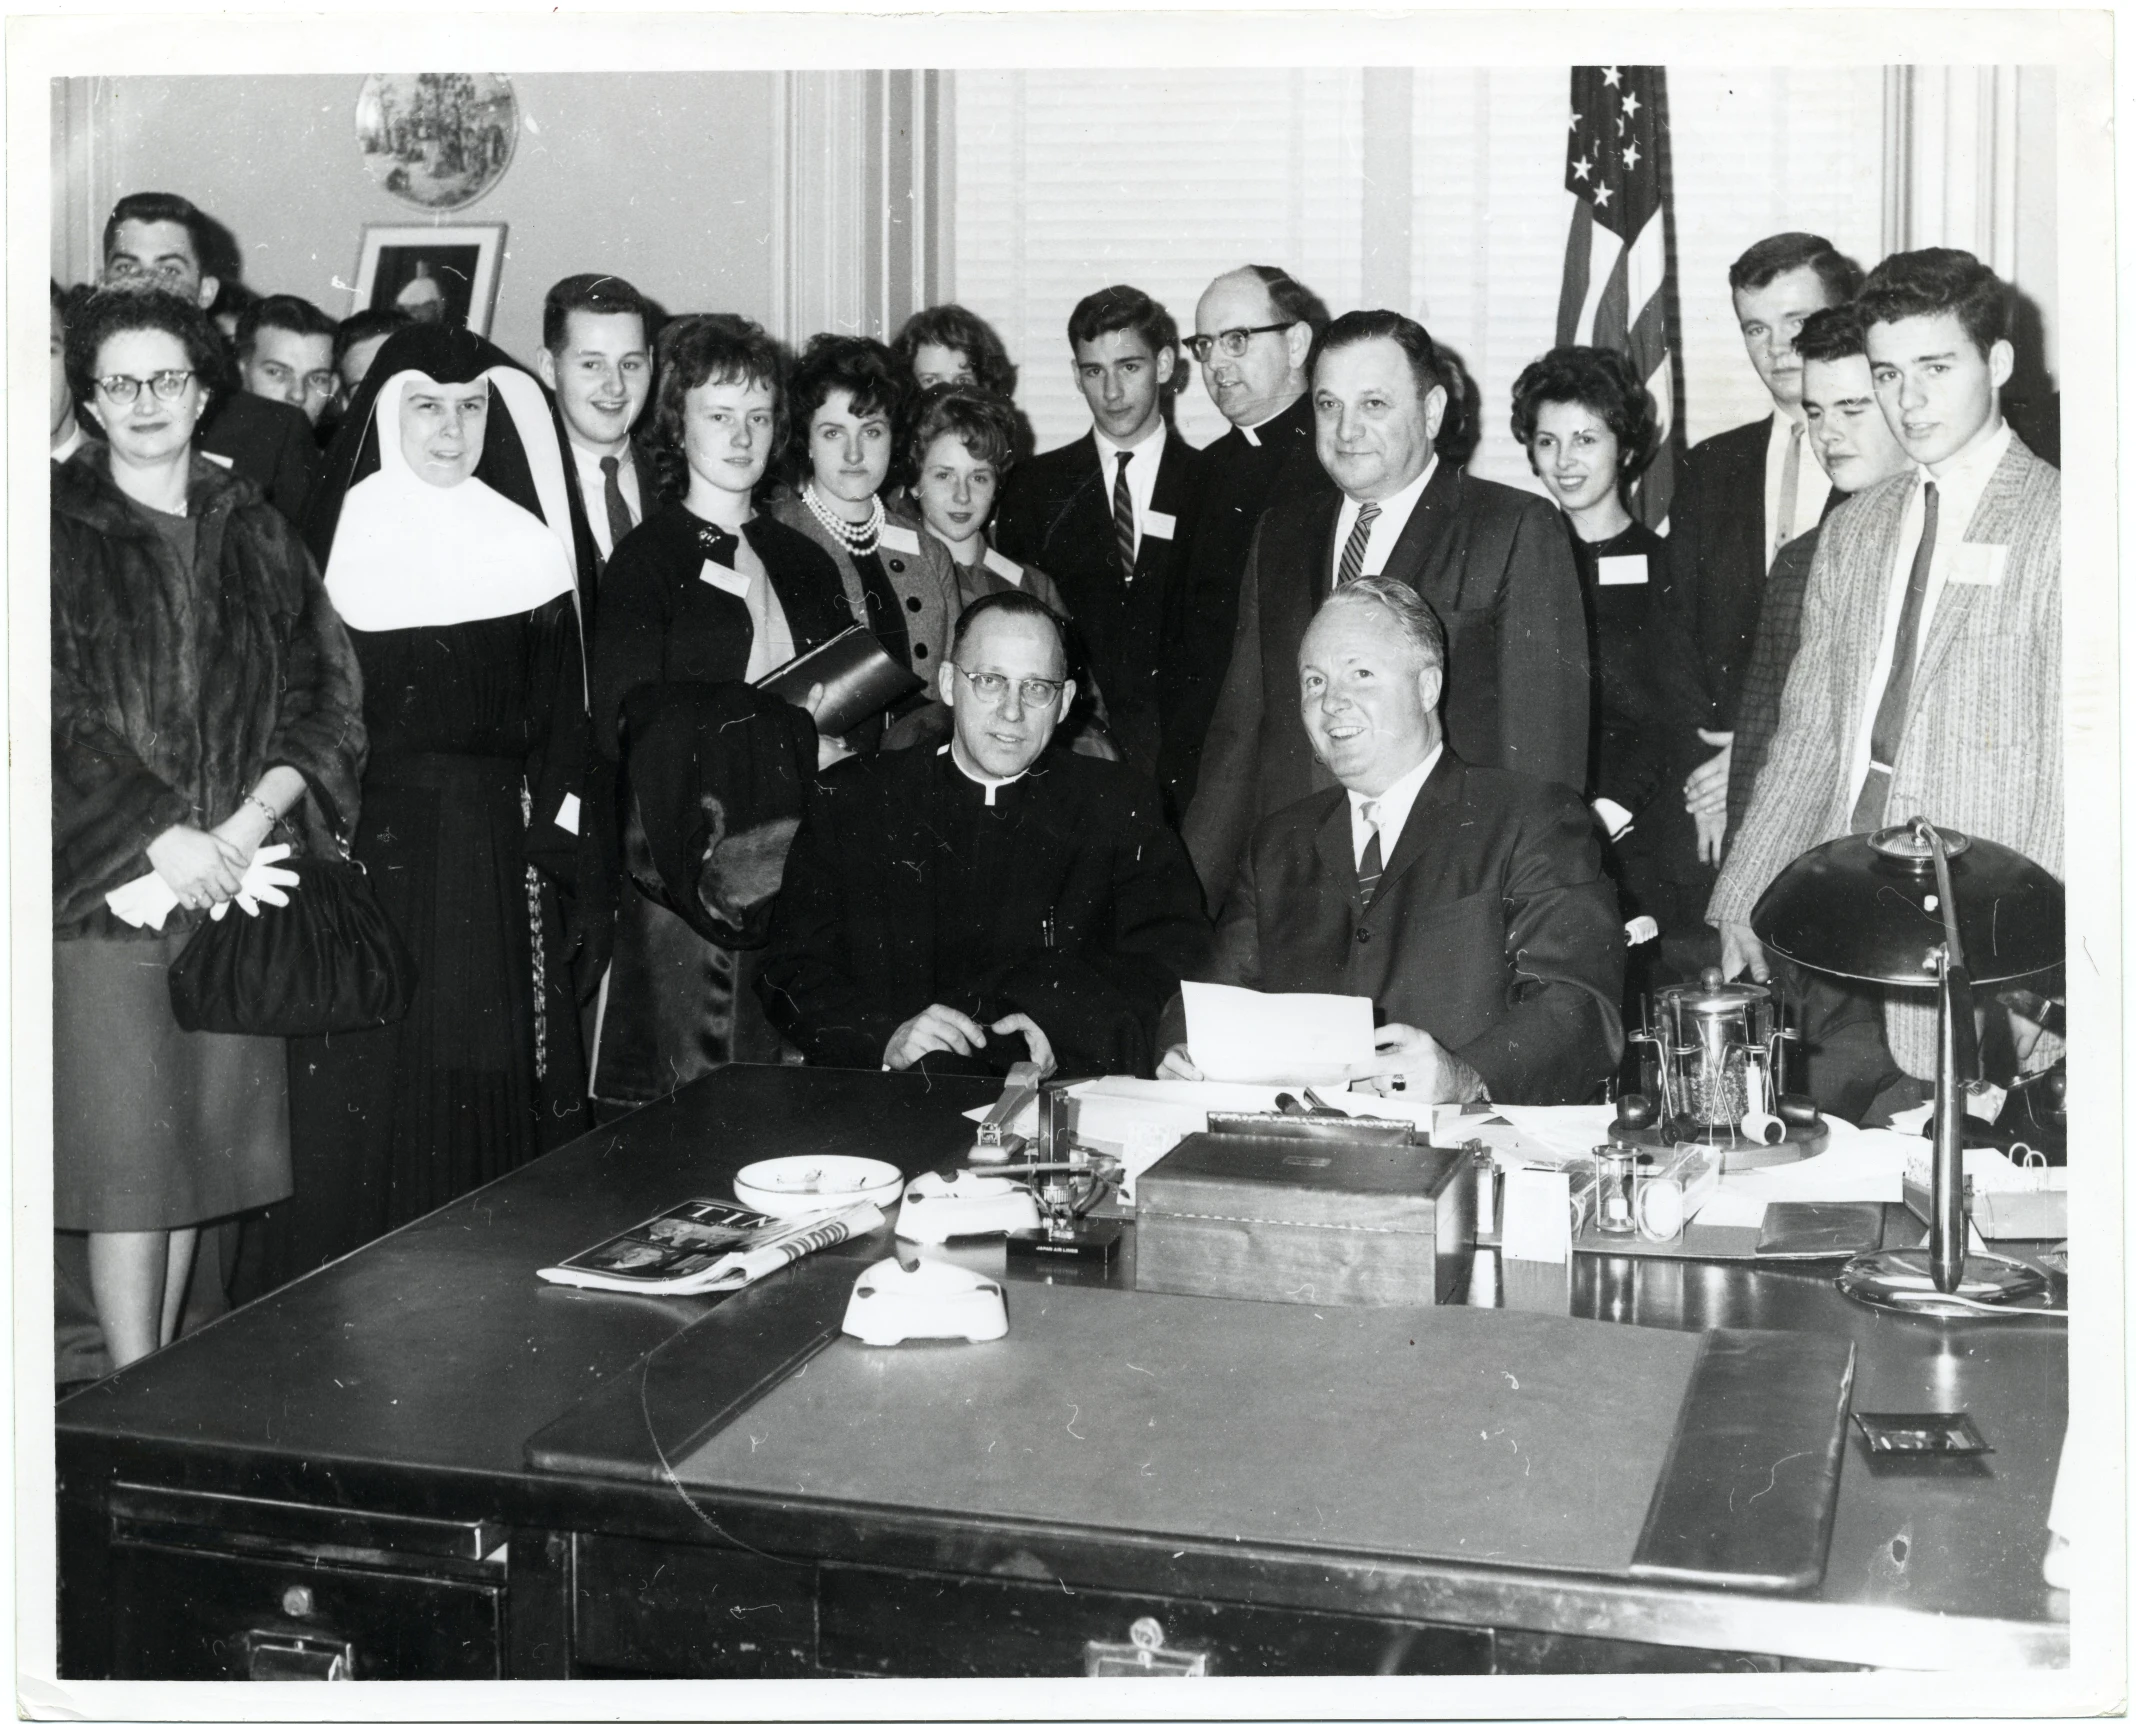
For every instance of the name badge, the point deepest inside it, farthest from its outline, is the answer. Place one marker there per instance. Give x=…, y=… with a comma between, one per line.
x=1621, y=571
x=1158, y=525
x=726, y=579
x=1008, y=569
x=1978, y=565
x=567, y=816
x=901, y=539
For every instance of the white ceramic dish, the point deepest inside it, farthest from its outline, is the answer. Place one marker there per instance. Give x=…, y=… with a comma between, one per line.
x=801, y=1184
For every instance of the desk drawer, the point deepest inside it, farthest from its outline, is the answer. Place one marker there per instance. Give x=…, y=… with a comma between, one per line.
x=879, y=1622
x=645, y=1608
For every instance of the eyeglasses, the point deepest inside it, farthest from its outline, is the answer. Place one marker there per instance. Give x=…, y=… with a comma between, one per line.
x=120, y=390
x=1231, y=341
x=992, y=687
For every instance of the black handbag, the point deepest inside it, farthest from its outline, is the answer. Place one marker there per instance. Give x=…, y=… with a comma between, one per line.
x=329, y=960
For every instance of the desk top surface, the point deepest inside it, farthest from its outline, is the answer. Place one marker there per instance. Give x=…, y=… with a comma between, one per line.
x=438, y=1349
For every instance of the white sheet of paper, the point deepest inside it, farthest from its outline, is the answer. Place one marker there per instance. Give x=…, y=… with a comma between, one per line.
x=1535, y=1218
x=1237, y=1035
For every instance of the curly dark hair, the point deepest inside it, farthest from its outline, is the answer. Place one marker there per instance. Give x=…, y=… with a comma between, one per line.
x=988, y=427
x=1601, y=380
x=865, y=370
x=713, y=347
x=105, y=314
x=964, y=332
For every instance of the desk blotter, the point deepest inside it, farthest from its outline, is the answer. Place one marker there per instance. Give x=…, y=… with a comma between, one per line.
x=1451, y=1434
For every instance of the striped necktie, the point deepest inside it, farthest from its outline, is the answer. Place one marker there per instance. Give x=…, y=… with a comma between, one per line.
x=1353, y=553
x=1370, y=866
x=1124, y=515
x=1890, y=725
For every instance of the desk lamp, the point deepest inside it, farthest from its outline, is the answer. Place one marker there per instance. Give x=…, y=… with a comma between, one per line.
x=1917, y=907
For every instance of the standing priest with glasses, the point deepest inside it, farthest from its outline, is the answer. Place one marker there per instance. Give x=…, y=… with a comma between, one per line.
x=988, y=901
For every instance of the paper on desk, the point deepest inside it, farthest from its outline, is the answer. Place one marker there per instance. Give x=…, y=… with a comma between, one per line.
x=1237, y=1035
x=1856, y=1167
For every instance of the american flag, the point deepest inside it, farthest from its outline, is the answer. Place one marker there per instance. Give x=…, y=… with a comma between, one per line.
x=1620, y=250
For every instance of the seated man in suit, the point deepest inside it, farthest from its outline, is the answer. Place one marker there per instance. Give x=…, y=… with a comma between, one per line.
x=154, y=241
x=990, y=900
x=1109, y=516
x=1493, y=563
x=1469, y=905
x=285, y=352
x=1743, y=495
x=1928, y=679
x=597, y=355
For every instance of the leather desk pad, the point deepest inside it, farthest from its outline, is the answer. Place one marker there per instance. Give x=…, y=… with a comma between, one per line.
x=1443, y=1432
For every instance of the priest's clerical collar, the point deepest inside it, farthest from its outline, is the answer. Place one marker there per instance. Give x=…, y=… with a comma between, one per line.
x=990, y=785
x=1248, y=431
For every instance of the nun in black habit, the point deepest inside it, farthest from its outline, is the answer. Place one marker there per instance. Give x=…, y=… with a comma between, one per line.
x=445, y=526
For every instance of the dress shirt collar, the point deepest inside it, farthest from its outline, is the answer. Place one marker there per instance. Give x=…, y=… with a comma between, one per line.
x=1146, y=453
x=1966, y=474
x=1394, y=803
x=989, y=785
x=75, y=438
x=1387, y=525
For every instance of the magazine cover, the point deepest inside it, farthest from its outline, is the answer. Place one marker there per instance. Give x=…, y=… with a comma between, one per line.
x=704, y=1244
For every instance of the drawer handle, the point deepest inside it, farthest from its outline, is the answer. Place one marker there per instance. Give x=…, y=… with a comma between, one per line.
x=1142, y=1653
x=274, y=1656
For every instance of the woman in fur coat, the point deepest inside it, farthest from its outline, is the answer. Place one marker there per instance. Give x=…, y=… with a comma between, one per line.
x=205, y=698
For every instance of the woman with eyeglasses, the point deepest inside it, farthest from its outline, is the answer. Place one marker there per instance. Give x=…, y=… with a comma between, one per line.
x=205, y=698
x=846, y=396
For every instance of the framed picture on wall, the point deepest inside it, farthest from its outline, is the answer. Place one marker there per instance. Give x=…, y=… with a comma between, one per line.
x=439, y=274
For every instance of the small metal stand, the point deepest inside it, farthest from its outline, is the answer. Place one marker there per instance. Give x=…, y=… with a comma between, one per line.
x=1068, y=1182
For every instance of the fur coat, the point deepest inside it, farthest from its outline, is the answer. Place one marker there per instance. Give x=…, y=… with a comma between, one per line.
x=174, y=689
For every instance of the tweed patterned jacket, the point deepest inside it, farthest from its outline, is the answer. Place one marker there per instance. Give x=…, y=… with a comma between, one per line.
x=1982, y=746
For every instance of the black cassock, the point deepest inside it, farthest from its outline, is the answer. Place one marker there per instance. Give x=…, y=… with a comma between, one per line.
x=1064, y=896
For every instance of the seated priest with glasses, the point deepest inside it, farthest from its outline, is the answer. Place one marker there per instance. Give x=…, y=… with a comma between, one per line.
x=989, y=901
x=1468, y=904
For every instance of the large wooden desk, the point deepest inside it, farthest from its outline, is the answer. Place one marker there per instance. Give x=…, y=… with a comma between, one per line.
x=344, y=1462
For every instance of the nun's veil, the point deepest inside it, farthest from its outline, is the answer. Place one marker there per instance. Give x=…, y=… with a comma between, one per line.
x=522, y=454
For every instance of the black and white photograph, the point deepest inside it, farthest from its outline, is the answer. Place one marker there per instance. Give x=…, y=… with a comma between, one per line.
x=1451, y=1012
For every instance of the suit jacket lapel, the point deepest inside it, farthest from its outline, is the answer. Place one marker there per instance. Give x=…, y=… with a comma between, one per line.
x=1990, y=525
x=1439, y=792
x=1336, y=854
x=1427, y=524
x=1153, y=553
x=1321, y=522
x=1864, y=604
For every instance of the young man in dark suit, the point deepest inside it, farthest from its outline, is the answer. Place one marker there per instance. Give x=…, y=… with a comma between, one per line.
x=597, y=357
x=1743, y=495
x=1468, y=905
x=1493, y=563
x=990, y=900
x=1254, y=331
x=154, y=241
x=1110, y=515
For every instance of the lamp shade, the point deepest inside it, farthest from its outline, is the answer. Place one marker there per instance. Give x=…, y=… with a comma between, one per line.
x=1866, y=906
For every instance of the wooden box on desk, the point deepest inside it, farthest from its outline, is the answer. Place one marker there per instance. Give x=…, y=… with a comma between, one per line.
x=1311, y=1217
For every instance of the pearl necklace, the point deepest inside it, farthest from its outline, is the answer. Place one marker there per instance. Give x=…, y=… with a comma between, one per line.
x=859, y=540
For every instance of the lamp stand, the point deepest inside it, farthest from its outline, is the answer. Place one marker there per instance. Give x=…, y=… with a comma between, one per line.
x=1944, y=1281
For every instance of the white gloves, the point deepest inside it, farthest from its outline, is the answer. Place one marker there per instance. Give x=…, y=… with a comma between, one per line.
x=148, y=902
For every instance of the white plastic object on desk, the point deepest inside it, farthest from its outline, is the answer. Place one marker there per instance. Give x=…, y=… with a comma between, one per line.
x=802, y=1184
x=961, y=1205
x=924, y=1301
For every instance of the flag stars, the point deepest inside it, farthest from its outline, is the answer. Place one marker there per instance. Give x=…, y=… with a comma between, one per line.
x=1631, y=157
x=1582, y=168
x=1612, y=76
x=1602, y=197
x=1573, y=124
x=1631, y=103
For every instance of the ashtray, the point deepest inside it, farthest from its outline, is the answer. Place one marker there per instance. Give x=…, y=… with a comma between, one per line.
x=802, y=1184
x=1921, y=1434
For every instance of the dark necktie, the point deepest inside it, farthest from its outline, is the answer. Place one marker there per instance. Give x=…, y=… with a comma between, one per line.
x=1890, y=725
x=619, y=521
x=1370, y=865
x=717, y=544
x=1353, y=553
x=1124, y=515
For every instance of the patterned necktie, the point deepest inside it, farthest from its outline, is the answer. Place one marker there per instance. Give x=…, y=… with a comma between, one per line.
x=1890, y=725
x=619, y=521
x=1370, y=866
x=1124, y=515
x=1790, y=489
x=1353, y=553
